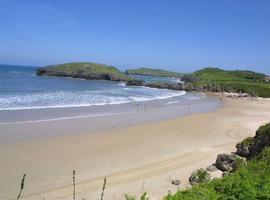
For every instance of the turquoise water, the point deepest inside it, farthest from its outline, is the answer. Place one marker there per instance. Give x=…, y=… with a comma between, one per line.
x=20, y=88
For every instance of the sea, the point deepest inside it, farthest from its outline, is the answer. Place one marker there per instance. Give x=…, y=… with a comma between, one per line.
x=34, y=106
x=21, y=88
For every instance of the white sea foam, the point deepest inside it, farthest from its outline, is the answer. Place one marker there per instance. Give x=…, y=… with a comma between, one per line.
x=172, y=102
x=122, y=84
x=84, y=98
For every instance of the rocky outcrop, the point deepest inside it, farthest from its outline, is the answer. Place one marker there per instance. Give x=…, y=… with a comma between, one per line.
x=229, y=162
x=243, y=148
x=165, y=85
x=261, y=140
x=199, y=176
x=226, y=162
x=135, y=83
x=157, y=84
x=251, y=147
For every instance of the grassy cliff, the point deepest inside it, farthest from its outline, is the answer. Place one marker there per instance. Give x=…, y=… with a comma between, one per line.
x=218, y=80
x=153, y=72
x=251, y=181
x=85, y=70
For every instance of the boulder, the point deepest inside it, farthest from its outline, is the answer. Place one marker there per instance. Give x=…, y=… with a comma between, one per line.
x=211, y=168
x=226, y=162
x=176, y=182
x=199, y=176
x=243, y=148
x=229, y=162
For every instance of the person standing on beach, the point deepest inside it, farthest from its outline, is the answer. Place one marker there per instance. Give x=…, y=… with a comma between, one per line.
x=137, y=107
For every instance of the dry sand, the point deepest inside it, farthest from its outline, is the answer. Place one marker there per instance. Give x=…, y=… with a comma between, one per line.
x=135, y=159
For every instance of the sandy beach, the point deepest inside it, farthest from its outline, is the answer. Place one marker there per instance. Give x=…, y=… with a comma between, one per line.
x=143, y=157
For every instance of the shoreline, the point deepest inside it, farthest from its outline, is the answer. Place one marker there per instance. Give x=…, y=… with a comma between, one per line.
x=80, y=120
x=147, y=155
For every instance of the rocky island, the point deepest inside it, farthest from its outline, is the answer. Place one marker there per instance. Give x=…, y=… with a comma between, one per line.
x=84, y=70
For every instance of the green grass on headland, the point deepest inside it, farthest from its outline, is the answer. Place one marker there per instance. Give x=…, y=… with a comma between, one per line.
x=84, y=70
x=208, y=79
x=214, y=74
x=85, y=66
x=153, y=72
x=218, y=80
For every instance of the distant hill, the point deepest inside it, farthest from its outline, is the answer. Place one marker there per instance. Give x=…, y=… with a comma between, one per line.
x=217, y=80
x=85, y=70
x=226, y=75
x=153, y=72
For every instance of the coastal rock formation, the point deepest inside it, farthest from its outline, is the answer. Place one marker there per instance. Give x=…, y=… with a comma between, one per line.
x=211, y=168
x=135, y=83
x=229, y=162
x=261, y=140
x=84, y=70
x=157, y=84
x=165, y=85
x=243, y=148
x=199, y=176
x=226, y=162
x=250, y=147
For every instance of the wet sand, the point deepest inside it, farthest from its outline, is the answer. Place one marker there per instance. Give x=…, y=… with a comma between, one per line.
x=17, y=125
x=144, y=156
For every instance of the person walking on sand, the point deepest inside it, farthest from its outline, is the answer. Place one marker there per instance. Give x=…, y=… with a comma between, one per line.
x=137, y=107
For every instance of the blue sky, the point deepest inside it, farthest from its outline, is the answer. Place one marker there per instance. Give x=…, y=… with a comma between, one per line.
x=171, y=34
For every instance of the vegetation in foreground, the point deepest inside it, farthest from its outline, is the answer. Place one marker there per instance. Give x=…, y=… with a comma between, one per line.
x=218, y=80
x=251, y=181
x=154, y=72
